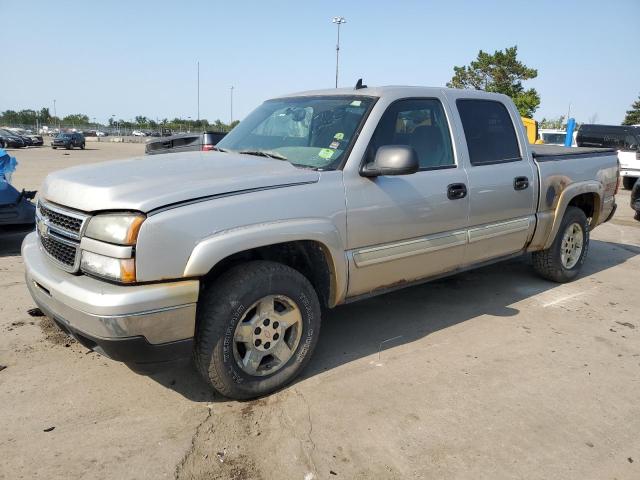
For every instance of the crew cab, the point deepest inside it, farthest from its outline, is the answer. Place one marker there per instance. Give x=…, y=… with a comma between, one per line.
x=314, y=200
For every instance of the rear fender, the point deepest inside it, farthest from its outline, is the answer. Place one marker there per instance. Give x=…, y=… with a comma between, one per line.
x=549, y=225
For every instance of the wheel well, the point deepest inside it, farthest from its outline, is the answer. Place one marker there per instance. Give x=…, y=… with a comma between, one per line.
x=585, y=202
x=308, y=257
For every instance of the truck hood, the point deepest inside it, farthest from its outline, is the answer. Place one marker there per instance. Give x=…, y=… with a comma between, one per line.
x=149, y=182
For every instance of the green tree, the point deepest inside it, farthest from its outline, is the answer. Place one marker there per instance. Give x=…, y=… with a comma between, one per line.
x=77, y=119
x=556, y=123
x=500, y=72
x=633, y=116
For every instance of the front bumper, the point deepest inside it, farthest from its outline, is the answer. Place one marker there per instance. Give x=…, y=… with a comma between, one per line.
x=142, y=325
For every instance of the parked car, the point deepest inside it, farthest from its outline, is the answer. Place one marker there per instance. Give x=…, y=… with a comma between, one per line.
x=625, y=139
x=16, y=207
x=315, y=199
x=29, y=138
x=8, y=139
x=184, y=142
x=138, y=133
x=100, y=133
x=68, y=141
x=552, y=136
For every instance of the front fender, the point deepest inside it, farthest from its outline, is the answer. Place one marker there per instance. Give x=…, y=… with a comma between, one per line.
x=211, y=250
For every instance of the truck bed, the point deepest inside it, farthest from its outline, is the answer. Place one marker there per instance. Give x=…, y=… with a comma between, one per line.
x=546, y=153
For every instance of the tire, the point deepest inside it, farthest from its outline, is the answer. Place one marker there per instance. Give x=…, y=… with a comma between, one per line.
x=54, y=147
x=82, y=146
x=549, y=263
x=238, y=296
x=69, y=146
x=628, y=182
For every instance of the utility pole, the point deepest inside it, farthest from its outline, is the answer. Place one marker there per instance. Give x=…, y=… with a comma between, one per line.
x=198, y=91
x=231, y=106
x=338, y=21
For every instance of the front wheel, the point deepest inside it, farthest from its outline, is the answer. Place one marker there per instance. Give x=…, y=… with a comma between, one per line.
x=562, y=261
x=82, y=146
x=258, y=325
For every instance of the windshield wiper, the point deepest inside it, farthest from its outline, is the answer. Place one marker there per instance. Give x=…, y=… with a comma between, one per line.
x=263, y=153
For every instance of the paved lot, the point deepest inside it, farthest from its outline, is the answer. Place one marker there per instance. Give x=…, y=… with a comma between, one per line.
x=490, y=374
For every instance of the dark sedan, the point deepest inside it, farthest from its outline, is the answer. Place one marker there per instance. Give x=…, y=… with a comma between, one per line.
x=8, y=139
x=68, y=141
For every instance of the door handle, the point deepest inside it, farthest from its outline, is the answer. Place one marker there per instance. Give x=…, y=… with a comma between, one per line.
x=520, y=183
x=456, y=191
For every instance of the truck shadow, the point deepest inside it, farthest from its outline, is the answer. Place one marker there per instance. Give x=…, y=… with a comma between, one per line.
x=371, y=327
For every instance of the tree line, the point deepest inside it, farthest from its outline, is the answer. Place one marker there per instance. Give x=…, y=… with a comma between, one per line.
x=31, y=118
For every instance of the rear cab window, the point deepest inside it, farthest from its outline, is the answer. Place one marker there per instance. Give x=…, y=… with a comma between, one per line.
x=489, y=131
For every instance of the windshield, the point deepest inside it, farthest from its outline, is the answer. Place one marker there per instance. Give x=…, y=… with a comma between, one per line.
x=64, y=135
x=554, y=138
x=310, y=132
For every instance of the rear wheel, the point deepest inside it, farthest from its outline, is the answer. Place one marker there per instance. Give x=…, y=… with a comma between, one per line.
x=628, y=182
x=69, y=146
x=54, y=147
x=258, y=325
x=82, y=146
x=563, y=260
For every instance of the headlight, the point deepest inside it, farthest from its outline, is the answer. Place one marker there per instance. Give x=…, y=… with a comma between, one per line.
x=120, y=228
x=118, y=269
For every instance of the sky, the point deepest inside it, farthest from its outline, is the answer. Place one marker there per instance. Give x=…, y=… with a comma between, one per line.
x=139, y=57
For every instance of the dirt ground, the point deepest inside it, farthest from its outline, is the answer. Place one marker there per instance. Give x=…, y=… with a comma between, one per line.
x=491, y=374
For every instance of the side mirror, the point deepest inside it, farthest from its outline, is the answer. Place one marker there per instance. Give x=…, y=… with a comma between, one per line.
x=392, y=160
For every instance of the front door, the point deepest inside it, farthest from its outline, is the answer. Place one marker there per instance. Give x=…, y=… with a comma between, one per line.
x=403, y=228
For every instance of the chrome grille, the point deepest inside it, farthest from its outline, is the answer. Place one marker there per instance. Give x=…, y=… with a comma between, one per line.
x=69, y=223
x=59, y=230
x=61, y=252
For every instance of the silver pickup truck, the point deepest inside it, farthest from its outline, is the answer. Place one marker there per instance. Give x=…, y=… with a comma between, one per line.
x=314, y=200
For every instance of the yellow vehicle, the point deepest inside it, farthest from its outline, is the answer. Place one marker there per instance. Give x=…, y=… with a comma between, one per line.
x=531, y=126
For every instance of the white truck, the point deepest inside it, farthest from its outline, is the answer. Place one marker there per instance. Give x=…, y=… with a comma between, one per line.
x=315, y=199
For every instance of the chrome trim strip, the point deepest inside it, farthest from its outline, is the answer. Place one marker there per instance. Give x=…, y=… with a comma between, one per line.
x=107, y=249
x=497, y=229
x=408, y=248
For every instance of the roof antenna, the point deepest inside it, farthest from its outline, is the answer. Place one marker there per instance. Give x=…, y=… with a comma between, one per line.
x=359, y=85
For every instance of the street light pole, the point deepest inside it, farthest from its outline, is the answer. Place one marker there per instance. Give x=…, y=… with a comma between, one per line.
x=198, y=91
x=338, y=21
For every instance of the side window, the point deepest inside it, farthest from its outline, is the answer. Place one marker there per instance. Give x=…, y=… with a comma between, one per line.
x=418, y=123
x=491, y=137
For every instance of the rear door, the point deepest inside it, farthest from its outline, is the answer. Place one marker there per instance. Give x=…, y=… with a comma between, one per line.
x=502, y=188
